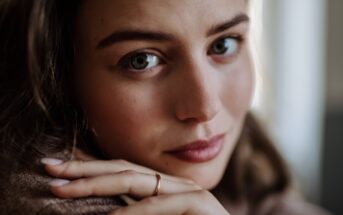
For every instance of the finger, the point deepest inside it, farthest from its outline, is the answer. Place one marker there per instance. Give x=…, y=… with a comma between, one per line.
x=195, y=202
x=126, y=182
x=165, y=205
x=78, y=169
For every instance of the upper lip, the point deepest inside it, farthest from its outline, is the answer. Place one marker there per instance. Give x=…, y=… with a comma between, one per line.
x=198, y=144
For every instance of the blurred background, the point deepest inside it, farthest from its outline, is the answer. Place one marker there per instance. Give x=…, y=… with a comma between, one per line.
x=298, y=47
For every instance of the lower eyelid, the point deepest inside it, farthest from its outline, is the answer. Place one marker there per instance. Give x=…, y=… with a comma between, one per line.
x=140, y=72
x=226, y=59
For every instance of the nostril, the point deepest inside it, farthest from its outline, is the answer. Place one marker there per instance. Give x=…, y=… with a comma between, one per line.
x=189, y=121
x=198, y=114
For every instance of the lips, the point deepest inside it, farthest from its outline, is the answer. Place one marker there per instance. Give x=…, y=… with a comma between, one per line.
x=199, y=151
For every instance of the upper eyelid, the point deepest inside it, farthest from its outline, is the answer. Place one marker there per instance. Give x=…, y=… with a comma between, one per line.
x=136, y=52
x=160, y=55
x=238, y=37
x=232, y=35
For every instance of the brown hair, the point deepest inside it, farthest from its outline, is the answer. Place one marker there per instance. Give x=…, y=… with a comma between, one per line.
x=39, y=115
x=256, y=169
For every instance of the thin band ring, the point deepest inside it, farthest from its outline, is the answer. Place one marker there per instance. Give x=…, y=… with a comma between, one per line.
x=158, y=184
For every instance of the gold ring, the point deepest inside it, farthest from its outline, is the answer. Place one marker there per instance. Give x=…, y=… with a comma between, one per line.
x=158, y=184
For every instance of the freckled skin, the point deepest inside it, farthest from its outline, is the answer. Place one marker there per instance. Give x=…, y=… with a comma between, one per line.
x=192, y=95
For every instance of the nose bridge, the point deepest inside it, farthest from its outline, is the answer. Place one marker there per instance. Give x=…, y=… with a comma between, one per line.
x=198, y=92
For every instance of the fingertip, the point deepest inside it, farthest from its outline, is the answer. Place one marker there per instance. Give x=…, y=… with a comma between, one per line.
x=57, y=191
x=57, y=188
x=51, y=161
x=58, y=182
x=52, y=170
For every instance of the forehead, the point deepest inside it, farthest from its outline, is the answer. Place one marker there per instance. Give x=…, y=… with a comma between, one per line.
x=96, y=19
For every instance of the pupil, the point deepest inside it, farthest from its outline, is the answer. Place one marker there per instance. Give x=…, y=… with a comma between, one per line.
x=220, y=47
x=140, y=61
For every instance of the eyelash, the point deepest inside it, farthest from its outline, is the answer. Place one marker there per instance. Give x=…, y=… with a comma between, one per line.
x=124, y=62
x=239, y=39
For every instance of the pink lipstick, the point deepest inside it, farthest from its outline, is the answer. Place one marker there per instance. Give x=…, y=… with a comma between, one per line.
x=200, y=151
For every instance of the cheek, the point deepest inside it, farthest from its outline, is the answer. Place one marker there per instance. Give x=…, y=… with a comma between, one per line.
x=124, y=119
x=238, y=88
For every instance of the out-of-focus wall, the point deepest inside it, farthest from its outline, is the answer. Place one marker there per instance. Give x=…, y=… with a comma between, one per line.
x=332, y=186
x=303, y=92
x=295, y=39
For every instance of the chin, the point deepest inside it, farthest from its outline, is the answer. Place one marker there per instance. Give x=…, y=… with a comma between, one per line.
x=207, y=175
x=207, y=183
x=206, y=179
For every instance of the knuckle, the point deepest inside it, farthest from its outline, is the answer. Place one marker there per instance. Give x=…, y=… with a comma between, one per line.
x=122, y=162
x=189, y=181
x=65, y=169
x=128, y=180
x=85, y=187
x=129, y=177
x=202, y=194
x=197, y=187
x=129, y=173
x=82, y=182
x=75, y=166
x=150, y=200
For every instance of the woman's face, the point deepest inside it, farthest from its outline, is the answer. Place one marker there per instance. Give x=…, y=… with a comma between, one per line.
x=156, y=75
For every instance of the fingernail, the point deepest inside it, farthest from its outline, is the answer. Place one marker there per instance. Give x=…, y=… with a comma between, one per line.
x=58, y=182
x=51, y=161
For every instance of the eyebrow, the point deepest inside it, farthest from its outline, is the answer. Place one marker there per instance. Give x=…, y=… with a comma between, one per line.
x=240, y=18
x=137, y=34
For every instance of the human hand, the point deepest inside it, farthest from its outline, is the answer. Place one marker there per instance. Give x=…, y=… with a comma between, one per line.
x=89, y=177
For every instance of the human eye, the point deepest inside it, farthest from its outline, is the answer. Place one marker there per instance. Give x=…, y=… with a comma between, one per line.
x=139, y=62
x=226, y=47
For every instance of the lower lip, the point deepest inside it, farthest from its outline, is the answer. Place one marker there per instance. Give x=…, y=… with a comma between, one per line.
x=201, y=155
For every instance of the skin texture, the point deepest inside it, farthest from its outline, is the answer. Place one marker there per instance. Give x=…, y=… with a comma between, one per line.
x=191, y=94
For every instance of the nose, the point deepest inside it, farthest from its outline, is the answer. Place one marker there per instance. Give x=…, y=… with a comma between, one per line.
x=198, y=97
